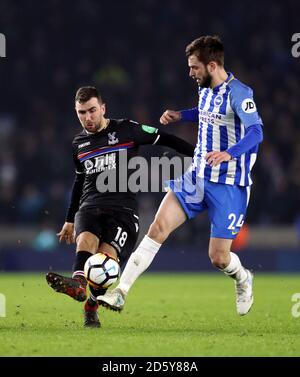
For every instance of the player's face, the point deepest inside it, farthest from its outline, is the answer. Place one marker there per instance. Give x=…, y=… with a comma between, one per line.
x=91, y=114
x=199, y=72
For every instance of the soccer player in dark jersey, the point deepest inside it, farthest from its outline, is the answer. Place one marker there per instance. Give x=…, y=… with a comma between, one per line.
x=97, y=218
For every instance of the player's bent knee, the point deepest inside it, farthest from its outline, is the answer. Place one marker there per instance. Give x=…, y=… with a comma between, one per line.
x=218, y=260
x=105, y=248
x=87, y=241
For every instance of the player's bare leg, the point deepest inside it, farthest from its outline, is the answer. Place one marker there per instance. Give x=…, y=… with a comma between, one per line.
x=169, y=216
x=75, y=286
x=229, y=263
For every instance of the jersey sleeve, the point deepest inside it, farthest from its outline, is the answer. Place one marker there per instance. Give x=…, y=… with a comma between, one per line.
x=190, y=115
x=242, y=103
x=79, y=169
x=75, y=198
x=76, y=189
x=144, y=134
x=151, y=135
x=253, y=136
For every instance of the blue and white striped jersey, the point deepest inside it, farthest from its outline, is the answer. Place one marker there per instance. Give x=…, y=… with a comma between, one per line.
x=224, y=114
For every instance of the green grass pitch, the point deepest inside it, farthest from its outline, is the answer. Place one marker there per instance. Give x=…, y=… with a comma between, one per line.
x=165, y=315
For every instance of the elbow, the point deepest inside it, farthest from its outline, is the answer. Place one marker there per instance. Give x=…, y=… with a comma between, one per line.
x=257, y=132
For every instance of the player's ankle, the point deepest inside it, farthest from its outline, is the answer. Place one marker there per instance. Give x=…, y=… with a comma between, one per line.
x=90, y=305
x=123, y=290
x=81, y=279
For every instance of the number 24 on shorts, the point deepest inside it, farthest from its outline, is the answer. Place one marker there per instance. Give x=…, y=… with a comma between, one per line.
x=234, y=223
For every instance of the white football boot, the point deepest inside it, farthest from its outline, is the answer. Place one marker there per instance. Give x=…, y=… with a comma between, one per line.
x=244, y=294
x=114, y=300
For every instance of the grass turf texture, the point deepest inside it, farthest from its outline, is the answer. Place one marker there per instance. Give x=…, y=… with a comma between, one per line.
x=165, y=315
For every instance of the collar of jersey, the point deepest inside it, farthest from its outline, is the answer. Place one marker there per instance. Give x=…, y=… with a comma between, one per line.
x=230, y=77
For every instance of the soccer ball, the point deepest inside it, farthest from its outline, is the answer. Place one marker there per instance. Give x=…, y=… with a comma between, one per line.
x=101, y=271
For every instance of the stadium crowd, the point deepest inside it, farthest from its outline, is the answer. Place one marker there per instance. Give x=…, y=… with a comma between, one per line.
x=134, y=53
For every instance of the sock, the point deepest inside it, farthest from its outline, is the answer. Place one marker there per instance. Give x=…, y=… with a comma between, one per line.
x=235, y=269
x=138, y=262
x=91, y=305
x=95, y=292
x=78, y=266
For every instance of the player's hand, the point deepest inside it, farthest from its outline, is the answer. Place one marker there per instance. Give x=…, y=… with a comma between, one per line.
x=215, y=158
x=67, y=233
x=170, y=116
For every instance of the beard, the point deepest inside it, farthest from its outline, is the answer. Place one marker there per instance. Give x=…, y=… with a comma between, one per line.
x=206, y=80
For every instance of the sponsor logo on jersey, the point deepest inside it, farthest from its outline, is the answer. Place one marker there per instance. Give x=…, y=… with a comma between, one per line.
x=209, y=117
x=88, y=165
x=84, y=144
x=148, y=129
x=248, y=106
x=112, y=139
x=100, y=163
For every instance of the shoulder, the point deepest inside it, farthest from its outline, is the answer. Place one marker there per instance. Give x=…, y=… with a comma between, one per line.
x=142, y=128
x=123, y=122
x=134, y=126
x=137, y=127
x=78, y=138
x=242, y=101
x=239, y=89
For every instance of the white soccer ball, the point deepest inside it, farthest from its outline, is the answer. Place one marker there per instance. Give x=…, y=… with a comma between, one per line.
x=101, y=271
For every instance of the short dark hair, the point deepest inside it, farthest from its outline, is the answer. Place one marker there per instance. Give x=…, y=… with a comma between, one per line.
x=85, y=93
x=207, y=48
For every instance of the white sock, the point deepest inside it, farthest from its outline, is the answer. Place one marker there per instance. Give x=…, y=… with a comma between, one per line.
x=138, y=262
x=235, y=269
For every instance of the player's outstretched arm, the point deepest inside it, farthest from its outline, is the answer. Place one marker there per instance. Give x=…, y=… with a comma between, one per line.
x=171, y=116
x=179, y=145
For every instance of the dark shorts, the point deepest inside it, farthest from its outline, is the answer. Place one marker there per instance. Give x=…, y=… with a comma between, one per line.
x=119, y=229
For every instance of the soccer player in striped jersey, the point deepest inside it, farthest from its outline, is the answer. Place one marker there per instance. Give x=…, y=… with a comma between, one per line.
x=218, y=180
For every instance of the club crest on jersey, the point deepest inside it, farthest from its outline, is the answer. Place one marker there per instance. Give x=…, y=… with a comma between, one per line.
x=112, y=139
x=218, y=101
x=248, y=106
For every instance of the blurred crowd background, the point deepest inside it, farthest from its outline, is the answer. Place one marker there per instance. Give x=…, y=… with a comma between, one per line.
x=134, y=52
